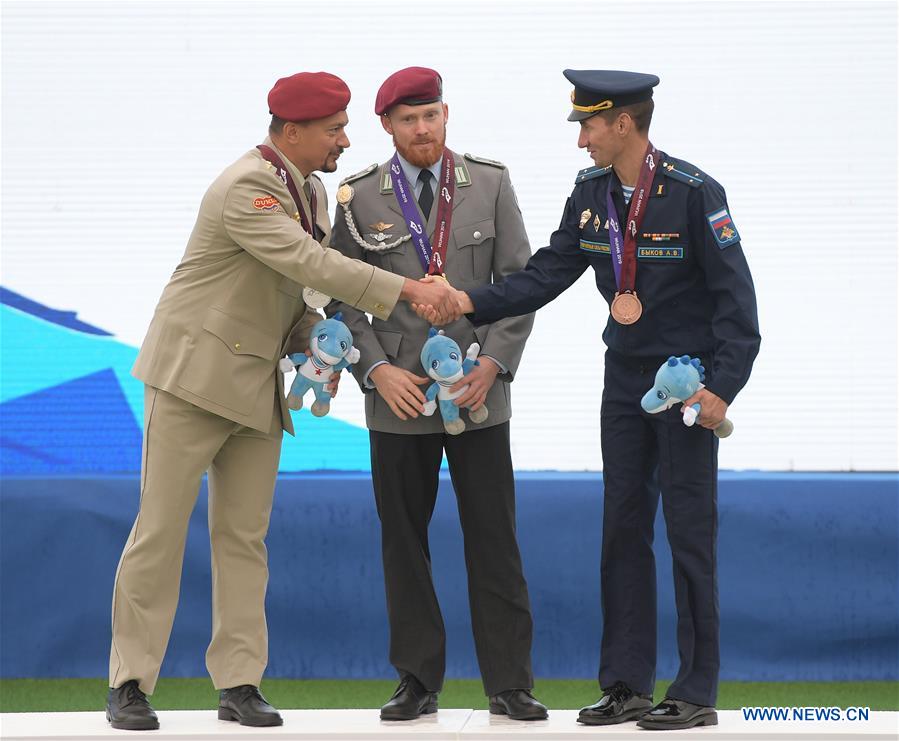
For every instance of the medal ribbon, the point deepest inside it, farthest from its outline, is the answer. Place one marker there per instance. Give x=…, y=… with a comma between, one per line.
x=624, y=247
x=271, y=156
x=433, y=259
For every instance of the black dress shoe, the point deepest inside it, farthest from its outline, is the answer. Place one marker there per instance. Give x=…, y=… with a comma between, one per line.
x=673, y=714
x=127, y=709
x=410, y=700
x=246, y=704
x=618, y=704
x=518, y=705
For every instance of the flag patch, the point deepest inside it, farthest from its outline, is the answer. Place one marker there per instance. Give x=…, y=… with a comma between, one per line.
x=723, y=228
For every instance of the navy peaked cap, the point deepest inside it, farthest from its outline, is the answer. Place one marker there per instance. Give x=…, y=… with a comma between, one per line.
x=598, y=90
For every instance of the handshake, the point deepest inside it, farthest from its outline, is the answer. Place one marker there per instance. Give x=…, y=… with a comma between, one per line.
x=435, y=300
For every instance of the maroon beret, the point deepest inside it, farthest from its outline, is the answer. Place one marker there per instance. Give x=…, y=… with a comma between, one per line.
x=412, y=86
x=308, y=95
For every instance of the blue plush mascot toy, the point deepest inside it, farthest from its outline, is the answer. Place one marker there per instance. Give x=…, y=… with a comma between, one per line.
x=442, y=360
x=331, y=344
x=678, y=379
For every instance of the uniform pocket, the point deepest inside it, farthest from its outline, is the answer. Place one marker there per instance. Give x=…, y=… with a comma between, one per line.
x=390, y=342
x=230, y=362
x=474, y=250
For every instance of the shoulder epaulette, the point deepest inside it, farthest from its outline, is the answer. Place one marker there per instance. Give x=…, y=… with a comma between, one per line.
x=684, y=172
x=361, y=174
x=589, y=173
x=483, y=160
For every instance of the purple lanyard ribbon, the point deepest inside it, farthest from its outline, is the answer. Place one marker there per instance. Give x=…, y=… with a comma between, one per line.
x=624, y=246
x=432, y=259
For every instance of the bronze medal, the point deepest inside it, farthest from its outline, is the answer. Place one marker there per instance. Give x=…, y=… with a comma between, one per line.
x=315, y=299
x=626, y=308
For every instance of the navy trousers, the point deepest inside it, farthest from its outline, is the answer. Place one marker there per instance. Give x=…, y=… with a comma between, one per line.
x=644, y=455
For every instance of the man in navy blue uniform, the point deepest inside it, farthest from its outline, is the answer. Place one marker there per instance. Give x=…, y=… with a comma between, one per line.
x=667, y=257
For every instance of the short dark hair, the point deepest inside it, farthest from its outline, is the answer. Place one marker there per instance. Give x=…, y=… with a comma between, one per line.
x=276, y=126
x=640, y=113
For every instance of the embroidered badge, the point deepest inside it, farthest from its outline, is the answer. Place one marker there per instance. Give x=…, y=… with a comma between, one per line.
x=267, y=203
x=603, y=249
x=660, y=253
x=585, y=217
x=723, y=228
x=379, y=236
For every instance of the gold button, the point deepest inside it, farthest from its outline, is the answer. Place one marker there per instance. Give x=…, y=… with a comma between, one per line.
x=237, y=346
x=379, y=307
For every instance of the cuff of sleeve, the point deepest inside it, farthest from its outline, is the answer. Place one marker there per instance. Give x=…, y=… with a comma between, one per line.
x=365, y=379
x=502, y=366
x=725, y=388
x=381, y=294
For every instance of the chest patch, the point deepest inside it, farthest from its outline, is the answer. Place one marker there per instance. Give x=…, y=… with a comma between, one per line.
x=600, y=247
x=660, y=253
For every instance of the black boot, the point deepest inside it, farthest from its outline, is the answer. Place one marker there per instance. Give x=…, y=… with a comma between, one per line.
x=127, y=708
x=618, y=704
x=246, y=704
x=518, y=705
x=410, y=700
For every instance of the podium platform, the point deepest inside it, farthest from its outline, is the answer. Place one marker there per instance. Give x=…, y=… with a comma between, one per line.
x=466, y=725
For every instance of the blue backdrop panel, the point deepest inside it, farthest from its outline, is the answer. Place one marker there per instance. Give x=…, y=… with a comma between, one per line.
x=809, y=575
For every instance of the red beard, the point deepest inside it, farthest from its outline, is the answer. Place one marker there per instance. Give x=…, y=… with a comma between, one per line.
x=423, y=156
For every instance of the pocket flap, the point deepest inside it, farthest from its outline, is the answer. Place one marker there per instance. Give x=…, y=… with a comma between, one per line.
x=240, y=337
x=390, y=342
x=474, y=233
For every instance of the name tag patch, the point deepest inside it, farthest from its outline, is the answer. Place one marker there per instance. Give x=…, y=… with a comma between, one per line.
x=660, y=253
x=604, y=249
x=723, y=228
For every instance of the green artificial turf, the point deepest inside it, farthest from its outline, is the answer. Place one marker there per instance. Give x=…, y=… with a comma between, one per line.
x=37, y=695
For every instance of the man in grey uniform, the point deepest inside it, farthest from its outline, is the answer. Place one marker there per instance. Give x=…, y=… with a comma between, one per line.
x=431, y=211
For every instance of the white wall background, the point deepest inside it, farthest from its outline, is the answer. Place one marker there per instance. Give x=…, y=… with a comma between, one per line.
x=117, y=116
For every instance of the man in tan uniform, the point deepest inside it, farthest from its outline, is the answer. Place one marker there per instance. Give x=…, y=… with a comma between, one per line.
x=214, y=398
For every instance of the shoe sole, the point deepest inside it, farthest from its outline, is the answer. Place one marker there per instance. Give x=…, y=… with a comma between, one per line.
x=709, y=719
x=228, y=714
x=132, y=725
x=428, y=710
x=500, y=710
x=623, y=718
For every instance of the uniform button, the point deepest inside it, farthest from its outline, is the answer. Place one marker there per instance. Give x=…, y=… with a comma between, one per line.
x=237, y=346
x=476, y=235
x=379, y=307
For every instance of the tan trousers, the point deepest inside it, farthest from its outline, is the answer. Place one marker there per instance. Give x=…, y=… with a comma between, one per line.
x=181, y=442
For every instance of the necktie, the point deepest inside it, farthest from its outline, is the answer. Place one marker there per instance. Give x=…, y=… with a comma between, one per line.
x=310, y=198
x=426, y=197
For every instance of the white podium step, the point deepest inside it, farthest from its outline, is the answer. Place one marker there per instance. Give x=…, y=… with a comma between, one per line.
x=465, y=725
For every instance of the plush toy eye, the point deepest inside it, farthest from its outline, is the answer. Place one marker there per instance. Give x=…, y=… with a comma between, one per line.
x=454, y=356
x=435, y=364
x=662, y=395
x=342, y=345
x=322, y=337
